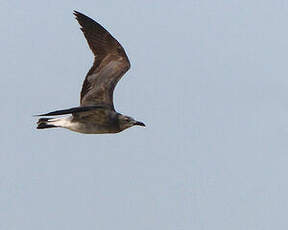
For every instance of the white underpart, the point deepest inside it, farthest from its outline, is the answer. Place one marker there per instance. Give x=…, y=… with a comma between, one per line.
x=63, y=122
x=76, y=126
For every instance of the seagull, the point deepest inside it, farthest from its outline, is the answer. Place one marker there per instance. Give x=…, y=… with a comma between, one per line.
x=96, y=113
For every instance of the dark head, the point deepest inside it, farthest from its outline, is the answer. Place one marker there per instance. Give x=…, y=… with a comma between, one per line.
x=126, y=122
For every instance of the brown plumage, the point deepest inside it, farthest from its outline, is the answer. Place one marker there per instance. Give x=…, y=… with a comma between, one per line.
x=110, y=63
x=96, y=113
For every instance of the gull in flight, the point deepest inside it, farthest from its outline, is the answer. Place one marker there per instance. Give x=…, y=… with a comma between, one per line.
x=96, y=113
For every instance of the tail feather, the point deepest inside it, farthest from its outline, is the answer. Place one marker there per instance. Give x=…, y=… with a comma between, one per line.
x=43, y=123
x=45, y=126
x=42, y=120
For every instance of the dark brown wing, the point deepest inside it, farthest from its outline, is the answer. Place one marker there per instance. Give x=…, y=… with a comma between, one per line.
x=110, y=63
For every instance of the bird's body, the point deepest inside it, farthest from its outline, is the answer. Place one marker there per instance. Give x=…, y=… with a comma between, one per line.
x=97, y=121
x=96, y=114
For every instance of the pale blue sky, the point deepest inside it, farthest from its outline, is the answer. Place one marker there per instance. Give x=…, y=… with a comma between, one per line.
x=209, y=79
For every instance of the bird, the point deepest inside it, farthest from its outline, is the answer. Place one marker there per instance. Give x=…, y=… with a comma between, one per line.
x=96, y=113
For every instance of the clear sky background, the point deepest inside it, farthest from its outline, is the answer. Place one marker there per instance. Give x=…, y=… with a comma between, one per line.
x=209, y=78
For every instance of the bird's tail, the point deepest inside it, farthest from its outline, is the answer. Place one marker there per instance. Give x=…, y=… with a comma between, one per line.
x=45, y=123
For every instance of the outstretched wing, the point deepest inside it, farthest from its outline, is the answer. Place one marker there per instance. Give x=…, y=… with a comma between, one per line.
x=110, y=63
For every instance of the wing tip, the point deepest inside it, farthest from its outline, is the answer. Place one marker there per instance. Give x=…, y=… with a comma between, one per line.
x=80, y=16
x=76, y=13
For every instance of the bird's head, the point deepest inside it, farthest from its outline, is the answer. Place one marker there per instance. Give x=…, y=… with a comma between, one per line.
x=127, y=122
